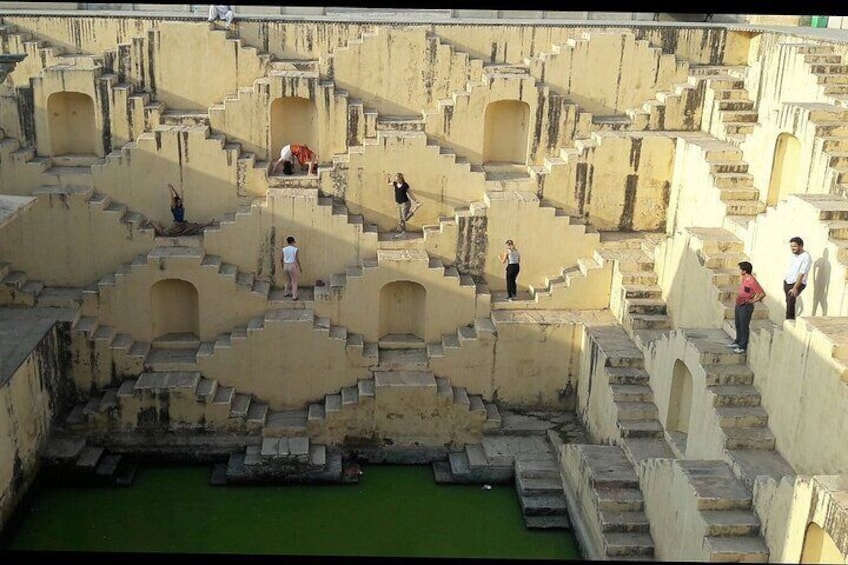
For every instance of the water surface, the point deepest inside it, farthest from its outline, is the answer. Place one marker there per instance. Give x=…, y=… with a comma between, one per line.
x=393, y=511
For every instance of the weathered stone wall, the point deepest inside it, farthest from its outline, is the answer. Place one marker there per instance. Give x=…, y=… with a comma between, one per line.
x=676, y=525
x=30, y=399
x=65, y=239
x=617, y=181
x=803, y=388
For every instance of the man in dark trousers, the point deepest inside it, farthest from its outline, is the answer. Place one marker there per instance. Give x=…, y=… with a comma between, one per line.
x=750, y=292
x=795, y=280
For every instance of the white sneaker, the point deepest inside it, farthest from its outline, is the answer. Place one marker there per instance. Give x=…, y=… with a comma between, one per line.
x=732, y=344
x=738, y=350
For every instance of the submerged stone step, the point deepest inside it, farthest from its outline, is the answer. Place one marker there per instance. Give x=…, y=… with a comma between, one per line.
x=549, y=522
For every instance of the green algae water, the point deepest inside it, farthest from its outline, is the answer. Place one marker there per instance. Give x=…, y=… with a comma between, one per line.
x=396, y=511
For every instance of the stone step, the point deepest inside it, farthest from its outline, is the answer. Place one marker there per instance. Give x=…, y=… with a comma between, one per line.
x=728, y=374
x=626, y=545
x=240, y=405
x=730, y=523
x=623, y=521
x=640, y=428
x=545, y=505
x=748, y=464
x=748, y=438
x=155, y=381
x=401, y=341
x=618, y=499
x=646, y=306
x=607, y=466
x=648, y=321
x=714, y=485
x=734, y=395
x=404, y=379
x=632, y=376
x=538, y=486
x=89, y=458
x=504, y=450
x=402, y=359
x=636, y=411
x=285, y=423
x=558, y=521
x=163, y=360
x=638, y=449
x=742, y=416
x=545, y=469
x=737, y=549
x=631, y=393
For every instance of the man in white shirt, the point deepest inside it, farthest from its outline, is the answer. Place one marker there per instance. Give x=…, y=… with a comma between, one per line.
x=795, y=280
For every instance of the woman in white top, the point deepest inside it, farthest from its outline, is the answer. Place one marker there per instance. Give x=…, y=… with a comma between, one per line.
x=291, y=265
x=511, y=258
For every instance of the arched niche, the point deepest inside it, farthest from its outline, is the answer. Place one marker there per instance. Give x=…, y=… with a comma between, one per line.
x=293, y=120
x=819, y=547
x=507, y=126
x=402, y=309
x=679, y=405
x=70, y=121
x=784, y=168
x=174, y=308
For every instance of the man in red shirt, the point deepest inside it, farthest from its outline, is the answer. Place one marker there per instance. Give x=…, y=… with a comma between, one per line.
x=750, y=292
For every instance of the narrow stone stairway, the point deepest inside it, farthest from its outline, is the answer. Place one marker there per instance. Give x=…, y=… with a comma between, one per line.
x=75, y=461
x=603, y=490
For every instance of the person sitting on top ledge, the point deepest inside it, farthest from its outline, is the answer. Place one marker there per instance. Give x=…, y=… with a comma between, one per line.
x=224, y=12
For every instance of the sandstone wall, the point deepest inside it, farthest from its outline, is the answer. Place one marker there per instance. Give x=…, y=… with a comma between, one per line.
x=30, y=398
x=803, y=387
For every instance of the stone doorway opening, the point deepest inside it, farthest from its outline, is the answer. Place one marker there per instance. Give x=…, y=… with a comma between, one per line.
x=174, y=308
x=679, y=405
x=71, y=124
x=506, y=133
x=819, y=547
x=293, y=120
x=784, y=168
x=402, y=310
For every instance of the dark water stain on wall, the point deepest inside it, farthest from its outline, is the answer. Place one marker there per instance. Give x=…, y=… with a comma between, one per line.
x=471, y=245
x=152, y=53
x=353, y=125
x=26, y=113
x=626, y=221
x=105, y=109
x=583, y=178
x=635, y=152
x=555, y=104
x=537, y=126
